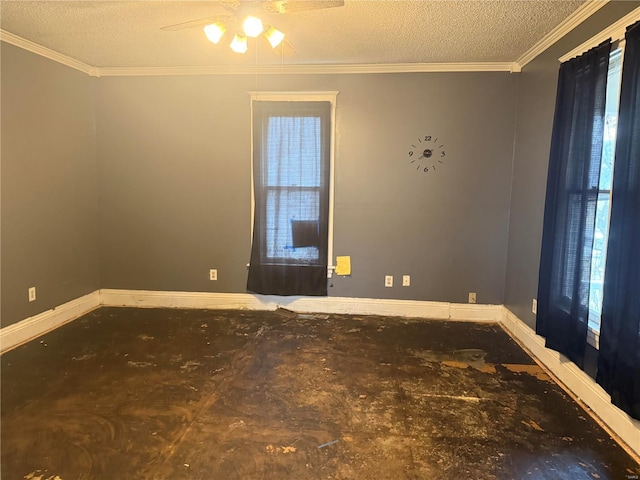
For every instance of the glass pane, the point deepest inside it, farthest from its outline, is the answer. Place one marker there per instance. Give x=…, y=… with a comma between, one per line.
x=599, y=253
x=283, y=206
x=598, y=260
x=611, y=119
x=293, y=153
x=570, y=253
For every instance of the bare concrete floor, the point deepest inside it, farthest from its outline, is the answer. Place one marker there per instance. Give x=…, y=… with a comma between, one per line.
x=171, y=394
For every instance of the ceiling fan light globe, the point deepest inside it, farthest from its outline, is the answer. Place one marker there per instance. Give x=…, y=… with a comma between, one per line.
x=214, y=32
x=274, y=36
x=252, y=26
x=239, y=43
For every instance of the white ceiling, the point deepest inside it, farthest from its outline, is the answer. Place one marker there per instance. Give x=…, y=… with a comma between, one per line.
x=128, y=33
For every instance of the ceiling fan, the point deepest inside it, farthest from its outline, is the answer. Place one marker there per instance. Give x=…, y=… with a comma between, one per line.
x=232, y=12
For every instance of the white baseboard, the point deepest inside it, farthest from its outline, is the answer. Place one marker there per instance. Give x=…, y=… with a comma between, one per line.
x=576, y=381
x=474, y=312
x=32, y=327
x=356, y=306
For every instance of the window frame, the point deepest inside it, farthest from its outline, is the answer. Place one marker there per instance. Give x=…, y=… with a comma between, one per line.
x=295, y=96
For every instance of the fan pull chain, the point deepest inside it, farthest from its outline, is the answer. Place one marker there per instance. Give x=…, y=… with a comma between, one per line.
x=257, y=46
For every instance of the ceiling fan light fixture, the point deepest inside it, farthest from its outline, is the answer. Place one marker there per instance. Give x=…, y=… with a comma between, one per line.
x=214, y=32
x=252, y=26
x=274, y=36
x=239, y=43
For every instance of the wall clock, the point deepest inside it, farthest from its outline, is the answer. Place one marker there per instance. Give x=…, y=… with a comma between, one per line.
x=427, y=153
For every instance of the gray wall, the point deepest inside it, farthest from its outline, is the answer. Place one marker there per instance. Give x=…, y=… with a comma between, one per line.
x=174, y=182
x=536, y=103
x=48, y=175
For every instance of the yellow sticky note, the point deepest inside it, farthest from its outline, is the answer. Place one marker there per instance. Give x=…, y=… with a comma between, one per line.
x=343, y=265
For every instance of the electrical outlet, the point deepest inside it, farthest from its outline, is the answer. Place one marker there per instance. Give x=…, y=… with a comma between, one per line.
x=406, y=280
x=388, y=281
x=534, y=306
x=213, y=274
x=472, y=297
x=32, y=294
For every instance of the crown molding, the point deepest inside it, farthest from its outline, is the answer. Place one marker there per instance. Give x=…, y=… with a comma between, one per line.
x=615, y=32
x=310, y=69
x=572, y=21
x=32, y=47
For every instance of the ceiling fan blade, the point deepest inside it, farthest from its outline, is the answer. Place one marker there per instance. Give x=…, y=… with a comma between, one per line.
x=293, y=6
x=224, y=11
x=195, y=23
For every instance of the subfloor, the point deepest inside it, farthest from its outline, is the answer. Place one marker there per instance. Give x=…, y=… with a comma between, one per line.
x=172, y=394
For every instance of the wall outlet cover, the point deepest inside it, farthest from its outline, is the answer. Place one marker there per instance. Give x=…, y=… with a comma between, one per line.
x=32, y=294
x=406, y=280
x=388, y=281
x=213, y=274
x=472, y=297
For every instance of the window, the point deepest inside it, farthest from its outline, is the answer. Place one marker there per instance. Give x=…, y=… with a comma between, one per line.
x=603, y=208
x=604, y=190
x=293, y=176
x=292, y=192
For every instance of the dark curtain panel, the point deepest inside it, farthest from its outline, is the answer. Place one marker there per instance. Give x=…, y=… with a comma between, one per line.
x=619, y=360
x=291, y=163
x=570, y=206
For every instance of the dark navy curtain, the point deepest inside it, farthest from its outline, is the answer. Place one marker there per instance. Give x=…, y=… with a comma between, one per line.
x=619, y=359
x=570, y=206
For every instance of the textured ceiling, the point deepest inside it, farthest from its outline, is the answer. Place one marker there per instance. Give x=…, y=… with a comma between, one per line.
x=128, y=34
